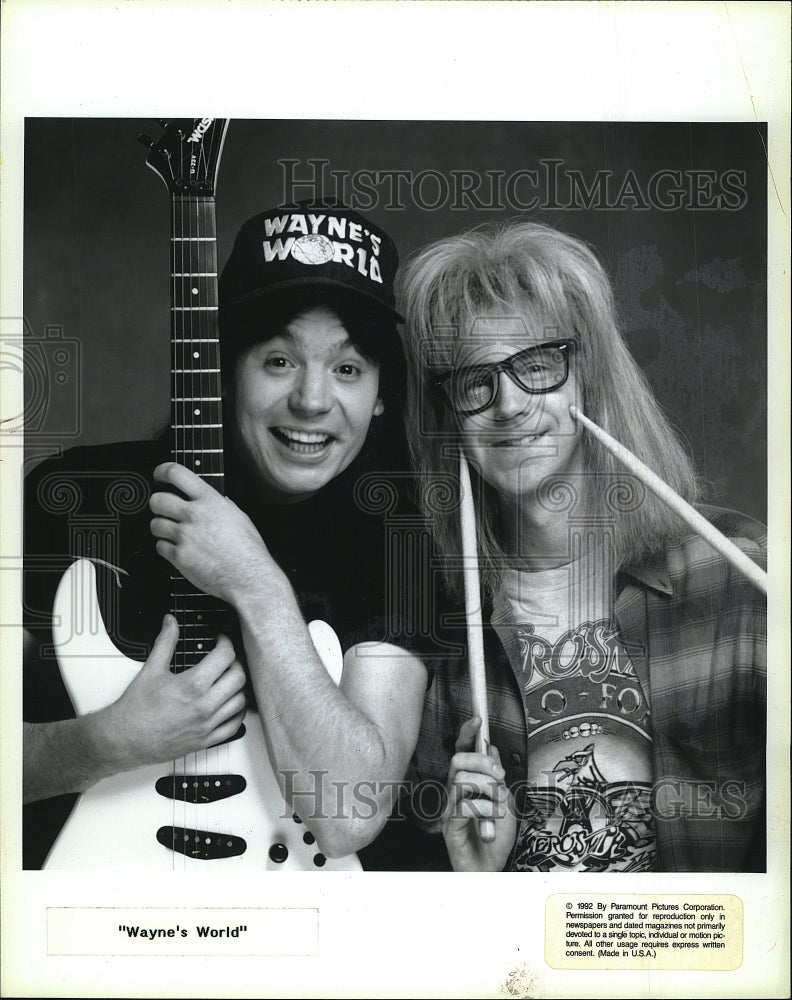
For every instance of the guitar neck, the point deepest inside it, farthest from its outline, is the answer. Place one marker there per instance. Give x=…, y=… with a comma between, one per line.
x=196, y=403
x=196, y=391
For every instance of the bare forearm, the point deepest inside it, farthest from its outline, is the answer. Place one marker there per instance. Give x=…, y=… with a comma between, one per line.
x=326, y=751
x=66, y=756
x=160, y=716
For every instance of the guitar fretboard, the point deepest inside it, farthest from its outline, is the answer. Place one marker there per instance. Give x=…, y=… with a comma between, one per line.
x=197, y=418
x=196, y=393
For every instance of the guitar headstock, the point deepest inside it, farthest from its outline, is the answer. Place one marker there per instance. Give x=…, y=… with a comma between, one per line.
x=187, y=155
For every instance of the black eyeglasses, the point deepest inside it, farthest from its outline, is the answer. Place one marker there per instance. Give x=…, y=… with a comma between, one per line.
x=536, y=370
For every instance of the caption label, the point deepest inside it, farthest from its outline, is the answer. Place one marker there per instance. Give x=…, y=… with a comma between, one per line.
x=643, y=931
x=160, y=931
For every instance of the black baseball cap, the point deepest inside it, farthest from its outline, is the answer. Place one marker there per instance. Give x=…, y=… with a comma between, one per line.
x=311, y=243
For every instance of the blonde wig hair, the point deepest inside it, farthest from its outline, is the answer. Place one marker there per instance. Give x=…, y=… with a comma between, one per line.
x=532, y=270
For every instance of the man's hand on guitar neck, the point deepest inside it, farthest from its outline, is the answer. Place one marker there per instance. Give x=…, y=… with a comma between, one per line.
x=207, y=538
x=160, y=716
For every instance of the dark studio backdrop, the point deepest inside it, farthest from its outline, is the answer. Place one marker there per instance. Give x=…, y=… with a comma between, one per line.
x=676, y=210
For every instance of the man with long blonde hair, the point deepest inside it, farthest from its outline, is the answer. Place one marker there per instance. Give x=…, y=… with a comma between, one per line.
x=625, y=656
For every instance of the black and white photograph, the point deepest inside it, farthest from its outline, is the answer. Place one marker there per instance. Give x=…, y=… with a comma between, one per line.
x=392, y=505
x=674, y=215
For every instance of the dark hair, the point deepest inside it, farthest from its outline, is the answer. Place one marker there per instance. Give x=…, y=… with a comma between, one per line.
x=371, y=330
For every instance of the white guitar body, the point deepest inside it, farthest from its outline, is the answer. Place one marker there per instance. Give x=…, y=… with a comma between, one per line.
x=114, y=824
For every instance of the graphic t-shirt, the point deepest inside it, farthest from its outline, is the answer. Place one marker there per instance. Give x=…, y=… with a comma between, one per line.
x=585, y=805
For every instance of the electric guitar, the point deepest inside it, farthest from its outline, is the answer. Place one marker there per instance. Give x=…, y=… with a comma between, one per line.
x=219, y=808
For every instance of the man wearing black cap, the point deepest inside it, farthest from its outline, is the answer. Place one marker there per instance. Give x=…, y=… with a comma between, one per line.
x=313, y=378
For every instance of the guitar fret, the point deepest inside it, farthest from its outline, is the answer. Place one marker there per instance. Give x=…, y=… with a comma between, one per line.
x=194, y=274
x=215, y=620
x=195, y=340
x=194, y=371
x=194, y=308
x=193, y=239
x=197, y=607
x=208, y=618
x=182, y=588
x=208, y=475
x=192, y=626
x=196, y=399
x=193, y=426
x=211, y=609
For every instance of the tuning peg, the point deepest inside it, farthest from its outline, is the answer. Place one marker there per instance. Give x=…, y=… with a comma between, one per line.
x=146, y=140
x=162, y=121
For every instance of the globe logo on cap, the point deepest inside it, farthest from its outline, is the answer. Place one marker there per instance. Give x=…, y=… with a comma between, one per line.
x=312, y=249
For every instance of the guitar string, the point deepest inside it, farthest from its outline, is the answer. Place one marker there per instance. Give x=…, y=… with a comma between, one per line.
x=182, y=247
x=175, y=454
x=178, y=393
x=199, y=405
x=189, y=377
x=192, y=344
x=210, y=436
x=197, y=433
x=196, y=347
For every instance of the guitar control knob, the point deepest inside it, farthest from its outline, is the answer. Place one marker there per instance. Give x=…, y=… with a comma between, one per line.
x=309, y=838
x=278, y=853
x=319, y=860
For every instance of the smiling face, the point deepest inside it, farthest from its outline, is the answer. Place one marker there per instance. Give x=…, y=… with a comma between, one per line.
x=304, y=402
x=522, y=437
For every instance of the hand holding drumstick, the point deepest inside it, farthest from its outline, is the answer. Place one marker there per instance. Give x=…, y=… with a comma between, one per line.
x=478, y=800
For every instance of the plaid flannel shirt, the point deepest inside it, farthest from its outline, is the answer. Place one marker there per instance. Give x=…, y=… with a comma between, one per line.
x=695, y=630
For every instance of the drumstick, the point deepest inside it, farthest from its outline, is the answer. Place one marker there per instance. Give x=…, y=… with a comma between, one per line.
x=689, y=514
x=475, y=630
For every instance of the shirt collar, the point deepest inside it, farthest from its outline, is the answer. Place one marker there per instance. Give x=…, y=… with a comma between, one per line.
x=652, y=573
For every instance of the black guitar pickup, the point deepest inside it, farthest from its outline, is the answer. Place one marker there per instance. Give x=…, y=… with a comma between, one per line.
x=201, y=844
x=200, y=788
